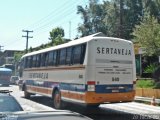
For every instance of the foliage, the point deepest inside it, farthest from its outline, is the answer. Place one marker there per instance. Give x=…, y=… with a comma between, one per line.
x=156, y=74
x=123, y=19
x=147, y=34
x=150, y=68
x=157, y=85
x=152, y=7
x=17, y=56
x=114, y=18
x=92, y=16
x=56, y=35
x=145, y=83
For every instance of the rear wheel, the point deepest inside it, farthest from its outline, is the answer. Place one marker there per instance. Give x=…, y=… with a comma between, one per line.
x=57, y=100
x=26, y=94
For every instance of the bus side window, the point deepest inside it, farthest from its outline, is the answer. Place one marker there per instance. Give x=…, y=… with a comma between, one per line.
x=42, y=60
x=30, y=62
x=46, y=55
x=25, y=62
x=76, y=54
x=34, y=61
x=68, y=55
x=38, y=62
x=62, y=56
x=54, y=58
x=31, y=65
x=50, y=58
x=83, y=51
x=57, y=57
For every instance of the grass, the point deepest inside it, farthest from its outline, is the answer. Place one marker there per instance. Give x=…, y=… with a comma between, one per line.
x=142, y=83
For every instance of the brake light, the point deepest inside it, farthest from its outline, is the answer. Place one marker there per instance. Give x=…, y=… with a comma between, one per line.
x=134, y=82
x=91, y=85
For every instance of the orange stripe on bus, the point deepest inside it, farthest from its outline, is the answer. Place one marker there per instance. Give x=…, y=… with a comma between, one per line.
x=71, y=95
x=92, y=97
x=39, y=89
x=56, y=68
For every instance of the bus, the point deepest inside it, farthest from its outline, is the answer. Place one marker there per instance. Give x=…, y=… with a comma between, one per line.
x=5, y=75
x=91, y=70
x=9, y=66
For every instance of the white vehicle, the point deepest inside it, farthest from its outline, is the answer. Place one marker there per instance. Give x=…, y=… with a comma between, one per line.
x=14, y=79
x=91, y=70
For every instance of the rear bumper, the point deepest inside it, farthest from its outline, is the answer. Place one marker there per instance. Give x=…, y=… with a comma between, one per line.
x=92, y=97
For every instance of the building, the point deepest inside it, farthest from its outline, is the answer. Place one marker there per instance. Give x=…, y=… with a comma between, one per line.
x=7, y=57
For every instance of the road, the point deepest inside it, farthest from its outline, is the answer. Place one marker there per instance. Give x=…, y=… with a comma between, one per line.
x=120, y=111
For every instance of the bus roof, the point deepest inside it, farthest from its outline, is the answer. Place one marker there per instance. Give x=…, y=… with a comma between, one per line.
x=73, y=42
x=5, y=69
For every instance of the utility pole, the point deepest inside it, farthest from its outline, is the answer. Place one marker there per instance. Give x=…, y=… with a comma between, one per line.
x=1, y=48
x=27, y=37
x=70, y=30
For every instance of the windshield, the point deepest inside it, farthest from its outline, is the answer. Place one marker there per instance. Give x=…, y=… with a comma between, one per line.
x=15, y=78
x=8, y=104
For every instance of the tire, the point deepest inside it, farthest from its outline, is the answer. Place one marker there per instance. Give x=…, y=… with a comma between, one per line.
x=57, y=102
x=26, y=94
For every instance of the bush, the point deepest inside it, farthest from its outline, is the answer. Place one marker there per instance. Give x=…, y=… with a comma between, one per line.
x=150, y=68
x=145, y=83
x=156, y=74
x=157, y=85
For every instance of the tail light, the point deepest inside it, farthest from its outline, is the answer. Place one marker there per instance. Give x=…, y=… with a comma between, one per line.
x=91, y=85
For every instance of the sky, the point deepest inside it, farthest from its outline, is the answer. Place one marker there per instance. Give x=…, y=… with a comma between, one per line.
x=39, y=16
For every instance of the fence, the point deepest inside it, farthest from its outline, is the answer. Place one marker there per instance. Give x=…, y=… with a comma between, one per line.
x=148, y=92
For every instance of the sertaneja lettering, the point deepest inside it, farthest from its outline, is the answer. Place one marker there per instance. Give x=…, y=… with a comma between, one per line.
x=38, y=75
x=117, y=51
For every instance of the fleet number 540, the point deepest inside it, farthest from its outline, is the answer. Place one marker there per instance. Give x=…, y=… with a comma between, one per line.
x=115, y=79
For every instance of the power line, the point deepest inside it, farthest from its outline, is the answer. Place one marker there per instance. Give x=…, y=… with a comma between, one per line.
x=43, y=29
x=41, y=25
x=46, y=22
x=51, y=18
x=27, y=37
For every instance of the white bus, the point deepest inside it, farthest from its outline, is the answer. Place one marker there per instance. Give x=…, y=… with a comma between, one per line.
x=90, y=70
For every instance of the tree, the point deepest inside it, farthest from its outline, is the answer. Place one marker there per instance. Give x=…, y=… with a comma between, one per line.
x=92, y=18
x=147, y=34
x=152, y=7
x=56, y=35
x=122, y=16
x=17, y=56
x=115, y=18
x=112, y=18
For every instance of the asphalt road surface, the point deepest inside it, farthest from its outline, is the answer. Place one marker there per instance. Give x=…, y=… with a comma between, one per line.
x=117, y=111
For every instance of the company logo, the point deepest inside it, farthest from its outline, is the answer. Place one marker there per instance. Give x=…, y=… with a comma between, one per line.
x=117, y=51
x=38, y=75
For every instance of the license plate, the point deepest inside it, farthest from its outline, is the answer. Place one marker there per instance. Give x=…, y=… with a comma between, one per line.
x=115, y=90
